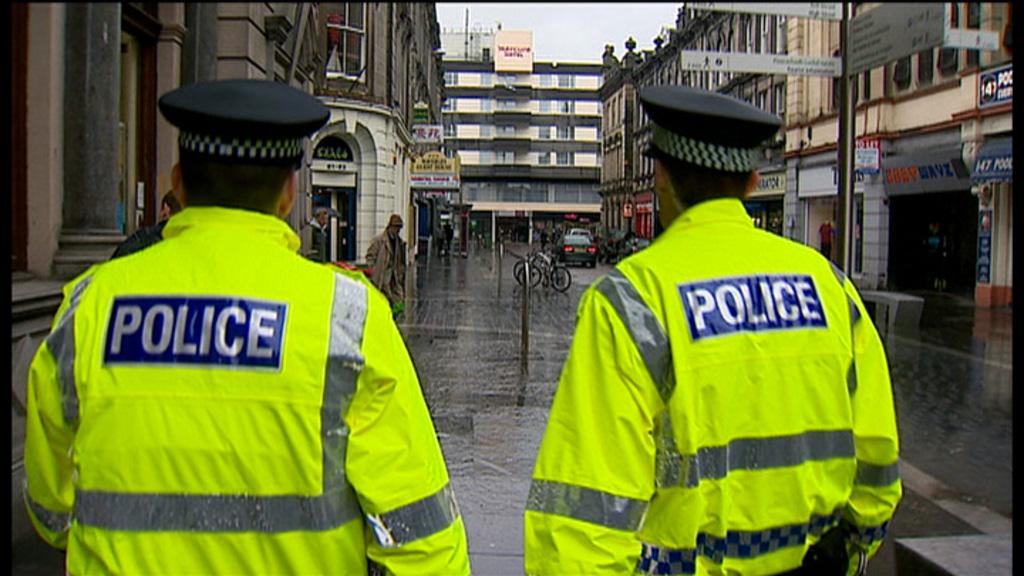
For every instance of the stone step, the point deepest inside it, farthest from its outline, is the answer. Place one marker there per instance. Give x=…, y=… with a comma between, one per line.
x=974, y=555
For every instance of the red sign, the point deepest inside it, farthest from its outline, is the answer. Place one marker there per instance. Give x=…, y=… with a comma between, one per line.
x=874, y=143
x=572, y=216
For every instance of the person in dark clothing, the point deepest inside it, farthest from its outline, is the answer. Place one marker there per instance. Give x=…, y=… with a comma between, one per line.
x=146, y=237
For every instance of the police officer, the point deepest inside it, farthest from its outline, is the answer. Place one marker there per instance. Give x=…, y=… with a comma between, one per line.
x=726, y=401
x=217, y=404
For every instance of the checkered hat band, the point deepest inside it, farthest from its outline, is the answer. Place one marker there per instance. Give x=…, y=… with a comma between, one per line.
x=241, y=148
x=721, y=158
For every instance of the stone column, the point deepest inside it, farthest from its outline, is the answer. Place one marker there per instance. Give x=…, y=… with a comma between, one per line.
x=89, y=230
x=199, y=58
x=169, y=66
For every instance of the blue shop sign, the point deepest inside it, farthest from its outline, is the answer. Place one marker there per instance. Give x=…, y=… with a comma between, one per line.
x=994, y=162
x=995, y=86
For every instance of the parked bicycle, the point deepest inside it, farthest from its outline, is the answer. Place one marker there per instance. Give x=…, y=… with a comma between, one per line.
x=544, y=269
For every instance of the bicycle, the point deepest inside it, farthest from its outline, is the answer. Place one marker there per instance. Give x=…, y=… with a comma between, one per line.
x=549, y=271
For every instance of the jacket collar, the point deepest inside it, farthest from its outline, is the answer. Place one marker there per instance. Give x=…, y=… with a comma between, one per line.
x=721, y=210
x=232, y=221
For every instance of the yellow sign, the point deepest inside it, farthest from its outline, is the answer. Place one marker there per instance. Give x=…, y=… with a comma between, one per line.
x=513, y=51
x=435, y=163
x=770, y=184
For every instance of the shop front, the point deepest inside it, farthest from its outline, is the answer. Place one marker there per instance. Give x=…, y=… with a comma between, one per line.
x=643, y=222
x=765, y=203
x=818, y=194
x=933, y=233
x=334, y=188
x=992, y=183
x=434, y=179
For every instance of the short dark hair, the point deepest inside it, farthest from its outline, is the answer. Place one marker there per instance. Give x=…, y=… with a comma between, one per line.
x=171, y=201
x=693, y=184
x=214, y=182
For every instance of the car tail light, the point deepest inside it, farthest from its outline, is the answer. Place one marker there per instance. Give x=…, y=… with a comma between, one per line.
x=591, y=249
x=568, y=248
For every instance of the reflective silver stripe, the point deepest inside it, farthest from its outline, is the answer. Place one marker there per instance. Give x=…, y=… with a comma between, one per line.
x=668, y=462
x=52, y=521
x=417, y=520
x=643, y=326
x=61, y=344
x=760, y=453
x=145, y=512
x=337, y=505
x=586, y=504
x=874, y=475
x=344, y=362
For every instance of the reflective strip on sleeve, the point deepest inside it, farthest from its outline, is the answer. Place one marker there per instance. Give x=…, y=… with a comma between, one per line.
x=714, y=462
x=417, y=520
x=874, y=475
x=142, y=512
x=586, y=504
x=53, y=521
x=334, y=507
x=735, y=544
x=643, y=326
x=344, y=362
x=871, y=534
x=61, y=344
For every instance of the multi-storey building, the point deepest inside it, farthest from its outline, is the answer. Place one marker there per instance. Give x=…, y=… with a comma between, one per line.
x=618, y=103
x=943, y=185
x=528, y=133
x=92, y=156
x=724, y=32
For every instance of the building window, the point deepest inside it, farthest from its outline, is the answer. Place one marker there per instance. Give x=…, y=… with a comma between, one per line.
x=564, y=158
x=485, y=130
x=504, y=157
x=486, y=105
x=506, y=79
x=762, y=99
x=901, y=73
x=506, y=130
x=449, y=131
x=544, y=158
x=925, y=65
x=780, y=99
x=545, y=106
x=565, y=132
x=451, y=79
x=546, y=80
x=835, y=87
x=486, y=79
x=346, y=30
x=566, y=106
x=866, y=92
x=566, y=81
x=448, y=105
x=949, y=60
x=506, y=104
x=973, y=23
x=544, y=132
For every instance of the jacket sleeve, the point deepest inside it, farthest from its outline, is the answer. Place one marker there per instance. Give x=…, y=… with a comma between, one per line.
x=594, y=473
x=877, y=488
x=395, y=464
x=49, y=434
x=373, y=253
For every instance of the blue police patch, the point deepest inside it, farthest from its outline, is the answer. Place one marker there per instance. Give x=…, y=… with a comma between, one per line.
x=751, y=304
x=195, y=330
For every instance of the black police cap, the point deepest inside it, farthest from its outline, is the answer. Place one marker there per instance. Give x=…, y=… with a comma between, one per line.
x=244, y=120
x=705, y=128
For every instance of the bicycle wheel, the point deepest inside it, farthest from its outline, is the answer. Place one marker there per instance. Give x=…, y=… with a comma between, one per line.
x=519, y=271
x=561, y=278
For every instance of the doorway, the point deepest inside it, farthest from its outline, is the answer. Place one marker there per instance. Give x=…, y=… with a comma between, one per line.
x=913, y=221
x=342, y=231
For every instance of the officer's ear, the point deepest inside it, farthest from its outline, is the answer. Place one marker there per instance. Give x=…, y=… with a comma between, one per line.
x=751, y=184
x=288, y=191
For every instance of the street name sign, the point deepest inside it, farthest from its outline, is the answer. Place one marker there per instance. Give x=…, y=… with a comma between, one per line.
x=704, y=61
x=818, y=10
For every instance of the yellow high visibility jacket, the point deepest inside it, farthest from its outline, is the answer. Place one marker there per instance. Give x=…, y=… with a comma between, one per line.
x=725, y=401
x=216, y=404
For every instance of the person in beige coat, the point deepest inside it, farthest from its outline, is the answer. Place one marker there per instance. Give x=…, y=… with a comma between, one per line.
x=386, y=260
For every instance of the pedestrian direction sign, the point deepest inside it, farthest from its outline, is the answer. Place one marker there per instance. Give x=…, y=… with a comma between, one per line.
x=818, y=10
x=705, y=61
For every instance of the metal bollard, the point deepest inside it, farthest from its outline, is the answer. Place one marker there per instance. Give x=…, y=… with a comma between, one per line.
x=525, y=328
x=501, y=250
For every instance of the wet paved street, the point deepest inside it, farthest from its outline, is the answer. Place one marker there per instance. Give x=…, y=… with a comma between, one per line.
x=951, y=379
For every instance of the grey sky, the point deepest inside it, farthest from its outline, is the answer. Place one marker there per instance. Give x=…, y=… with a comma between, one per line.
x=568, y=32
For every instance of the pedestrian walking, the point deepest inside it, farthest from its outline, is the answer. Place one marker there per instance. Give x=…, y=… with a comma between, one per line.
x=725, y=407
x=386, y=259
x=825, y=234
x=146, y=237
x=218, y=404
x=321, y=234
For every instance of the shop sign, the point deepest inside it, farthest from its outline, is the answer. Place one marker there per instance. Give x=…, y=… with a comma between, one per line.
x=995, y=86
x=333, y=148
x=994, y=162
x=435, y=162
x=824, y=181
x=645, y=203
x=627, y=210
x=866, y=160
x=513, y=51
x=770, y=184
x=984, y=264
x=420, y=113
x=427, y=134
x=435, y=181
x=925, y=174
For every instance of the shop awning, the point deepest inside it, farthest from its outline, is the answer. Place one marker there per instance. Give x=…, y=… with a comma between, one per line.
x=940, y=171
x=994, y=162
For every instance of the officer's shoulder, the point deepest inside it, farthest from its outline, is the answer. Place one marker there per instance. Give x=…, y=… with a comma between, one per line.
x=348, y=271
